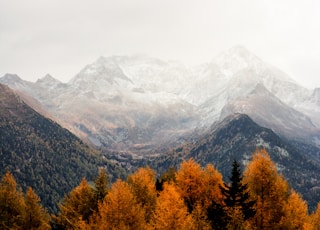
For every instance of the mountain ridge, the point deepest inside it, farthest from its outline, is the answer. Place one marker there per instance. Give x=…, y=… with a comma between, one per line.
x=139, y=94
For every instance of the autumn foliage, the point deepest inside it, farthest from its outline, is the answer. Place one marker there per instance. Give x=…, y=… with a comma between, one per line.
x=193, y=197
x=19, y=211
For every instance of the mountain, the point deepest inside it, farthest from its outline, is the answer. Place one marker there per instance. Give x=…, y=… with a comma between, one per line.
x=42, y=154
x=243, y=73
x=278, y=116
x=236, y=138
x=103, y=106
x=134, y=108
x=138, y=103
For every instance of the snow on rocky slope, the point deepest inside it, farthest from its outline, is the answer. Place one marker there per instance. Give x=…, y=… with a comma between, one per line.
x=125, y=101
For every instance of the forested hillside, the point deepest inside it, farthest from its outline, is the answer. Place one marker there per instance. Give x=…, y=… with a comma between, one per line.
x=42, y=154
x=193, y=197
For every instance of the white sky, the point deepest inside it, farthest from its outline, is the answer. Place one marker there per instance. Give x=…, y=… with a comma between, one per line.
x=61, y=36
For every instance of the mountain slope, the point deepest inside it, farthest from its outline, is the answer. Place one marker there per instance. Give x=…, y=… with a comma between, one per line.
x=42, y=154
x=267, y=110
x=244, y=75
x=237, y=137
x=133, y=102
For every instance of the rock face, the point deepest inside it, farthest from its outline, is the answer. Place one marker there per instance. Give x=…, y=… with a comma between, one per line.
x=138, y=102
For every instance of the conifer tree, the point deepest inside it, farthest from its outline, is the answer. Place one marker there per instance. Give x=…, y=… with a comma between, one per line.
x=12, y=205
x=237, y=195
x=213, y=181
x=101, y=185
x=217, y=216
x=142, y=184
x=269, y=189
x=168, y=176
x=190, y=183
x=200, y=218
x=295, y=212
x=35, y=216
x=80, y=203
x=197, y=185
x=119, y=210
x=315, y=218
x=171, y=211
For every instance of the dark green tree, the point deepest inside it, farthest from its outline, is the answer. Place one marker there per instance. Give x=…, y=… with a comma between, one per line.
x=217, y=216
x=167, y=176
x=237, y=195
x=101, y=185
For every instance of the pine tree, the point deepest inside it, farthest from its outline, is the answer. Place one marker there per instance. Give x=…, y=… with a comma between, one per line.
x=101, y=186
x=217, y=216
x=35, y=216
x=237, y=195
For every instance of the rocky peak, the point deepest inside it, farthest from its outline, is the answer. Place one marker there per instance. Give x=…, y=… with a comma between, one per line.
x=102, y=71
x=47, y=81
x=235, y=59
x=11, y=79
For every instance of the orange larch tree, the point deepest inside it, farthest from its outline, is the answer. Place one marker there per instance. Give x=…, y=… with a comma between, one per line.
x=199, y=186
x=171, y=211
x=268, y=188
x=119, y=210
x=12, y=203
x=315, y=218
x=35, y=216
x=295, y=212
x=142, y=184
x=80, y=204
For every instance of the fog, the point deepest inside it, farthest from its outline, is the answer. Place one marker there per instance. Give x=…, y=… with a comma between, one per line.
x=60, y=37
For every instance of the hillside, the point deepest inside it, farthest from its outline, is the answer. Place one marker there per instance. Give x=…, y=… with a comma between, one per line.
x=42, y=154
x=236, y=138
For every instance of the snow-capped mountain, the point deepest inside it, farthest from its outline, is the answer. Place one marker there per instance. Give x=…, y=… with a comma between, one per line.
x=138, y=101
x=269, y=111
x=48, y=82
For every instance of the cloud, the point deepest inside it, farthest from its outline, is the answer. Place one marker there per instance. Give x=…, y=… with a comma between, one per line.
x=60, y=37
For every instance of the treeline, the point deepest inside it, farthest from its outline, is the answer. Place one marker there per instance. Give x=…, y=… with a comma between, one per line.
x=189, y=198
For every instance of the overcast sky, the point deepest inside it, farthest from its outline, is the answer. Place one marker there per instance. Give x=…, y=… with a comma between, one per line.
x=60, y=37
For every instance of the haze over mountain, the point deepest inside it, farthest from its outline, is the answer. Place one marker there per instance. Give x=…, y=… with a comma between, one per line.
x=136, y=102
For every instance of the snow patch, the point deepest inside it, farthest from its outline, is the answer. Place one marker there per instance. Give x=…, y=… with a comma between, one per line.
x=262, y=143
x=281, y=151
